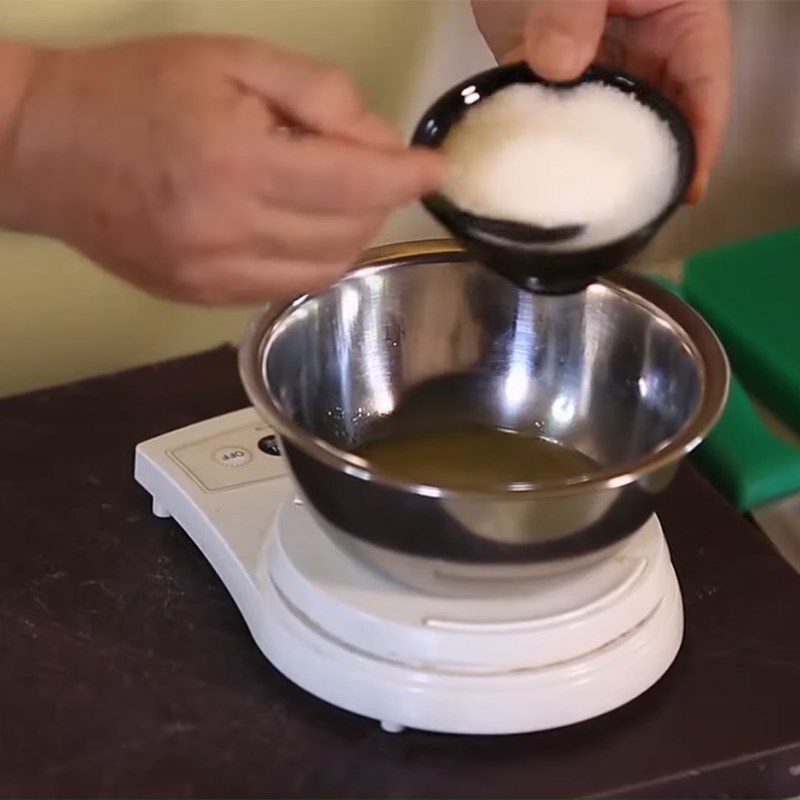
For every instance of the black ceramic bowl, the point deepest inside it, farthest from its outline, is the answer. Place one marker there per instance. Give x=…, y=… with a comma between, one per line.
x=507, y=247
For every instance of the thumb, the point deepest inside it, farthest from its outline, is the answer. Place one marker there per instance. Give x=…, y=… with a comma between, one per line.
x=562, y=36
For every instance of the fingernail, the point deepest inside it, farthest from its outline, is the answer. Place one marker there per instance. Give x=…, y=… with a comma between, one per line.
x=555, y=56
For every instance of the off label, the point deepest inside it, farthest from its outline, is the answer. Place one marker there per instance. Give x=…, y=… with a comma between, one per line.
x=232, y=456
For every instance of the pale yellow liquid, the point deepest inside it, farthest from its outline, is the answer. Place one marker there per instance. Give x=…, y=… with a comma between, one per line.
x=475, y=458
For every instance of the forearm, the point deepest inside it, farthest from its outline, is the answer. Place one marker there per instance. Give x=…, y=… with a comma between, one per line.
x=17, y=65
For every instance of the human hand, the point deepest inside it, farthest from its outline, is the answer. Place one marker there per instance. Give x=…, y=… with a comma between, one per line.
x=681, y=47
x=168, y=162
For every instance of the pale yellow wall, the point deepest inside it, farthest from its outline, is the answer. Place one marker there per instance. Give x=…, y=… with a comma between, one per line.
x=62, y=318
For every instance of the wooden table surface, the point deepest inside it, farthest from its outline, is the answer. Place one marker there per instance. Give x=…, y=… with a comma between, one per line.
x=127, y=671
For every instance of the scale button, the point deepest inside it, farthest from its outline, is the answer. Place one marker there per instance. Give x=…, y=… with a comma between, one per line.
x=269, y=445
x=233, y=456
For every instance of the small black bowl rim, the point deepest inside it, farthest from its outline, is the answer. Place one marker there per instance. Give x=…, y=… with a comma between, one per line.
x=452, y=216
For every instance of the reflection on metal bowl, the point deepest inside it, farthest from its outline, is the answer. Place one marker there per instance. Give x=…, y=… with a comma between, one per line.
x=418, y=337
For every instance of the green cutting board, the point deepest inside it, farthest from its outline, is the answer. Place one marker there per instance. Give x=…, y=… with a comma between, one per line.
x=750, y=293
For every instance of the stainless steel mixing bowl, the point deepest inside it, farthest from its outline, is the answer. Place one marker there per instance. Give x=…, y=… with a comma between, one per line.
x=625, y=372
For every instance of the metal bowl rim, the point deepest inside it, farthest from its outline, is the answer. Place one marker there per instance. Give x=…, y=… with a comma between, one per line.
x=695, y=333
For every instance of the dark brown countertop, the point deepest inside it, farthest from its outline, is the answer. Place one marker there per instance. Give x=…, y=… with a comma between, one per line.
x=127, y=671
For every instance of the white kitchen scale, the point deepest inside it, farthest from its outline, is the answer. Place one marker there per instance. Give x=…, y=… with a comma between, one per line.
x=566, y=649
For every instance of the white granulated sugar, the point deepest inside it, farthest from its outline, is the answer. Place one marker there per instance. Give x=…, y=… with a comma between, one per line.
x=591, y=155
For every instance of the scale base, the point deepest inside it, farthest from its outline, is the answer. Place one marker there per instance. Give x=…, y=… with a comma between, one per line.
x=567, y=653
x=515, y=701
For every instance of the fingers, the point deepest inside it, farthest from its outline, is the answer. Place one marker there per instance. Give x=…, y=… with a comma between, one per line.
x=317, y=174
x=562, y=36
x=315, y=96
x=256, y=253
x=283, y=254
x=322, y=238
x=501, y=22
x=701, y=74
x=707, y=103
x=356, y=162
x=248, y=280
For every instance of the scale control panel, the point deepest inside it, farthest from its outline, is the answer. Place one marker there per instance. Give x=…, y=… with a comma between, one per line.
x=234, y=450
